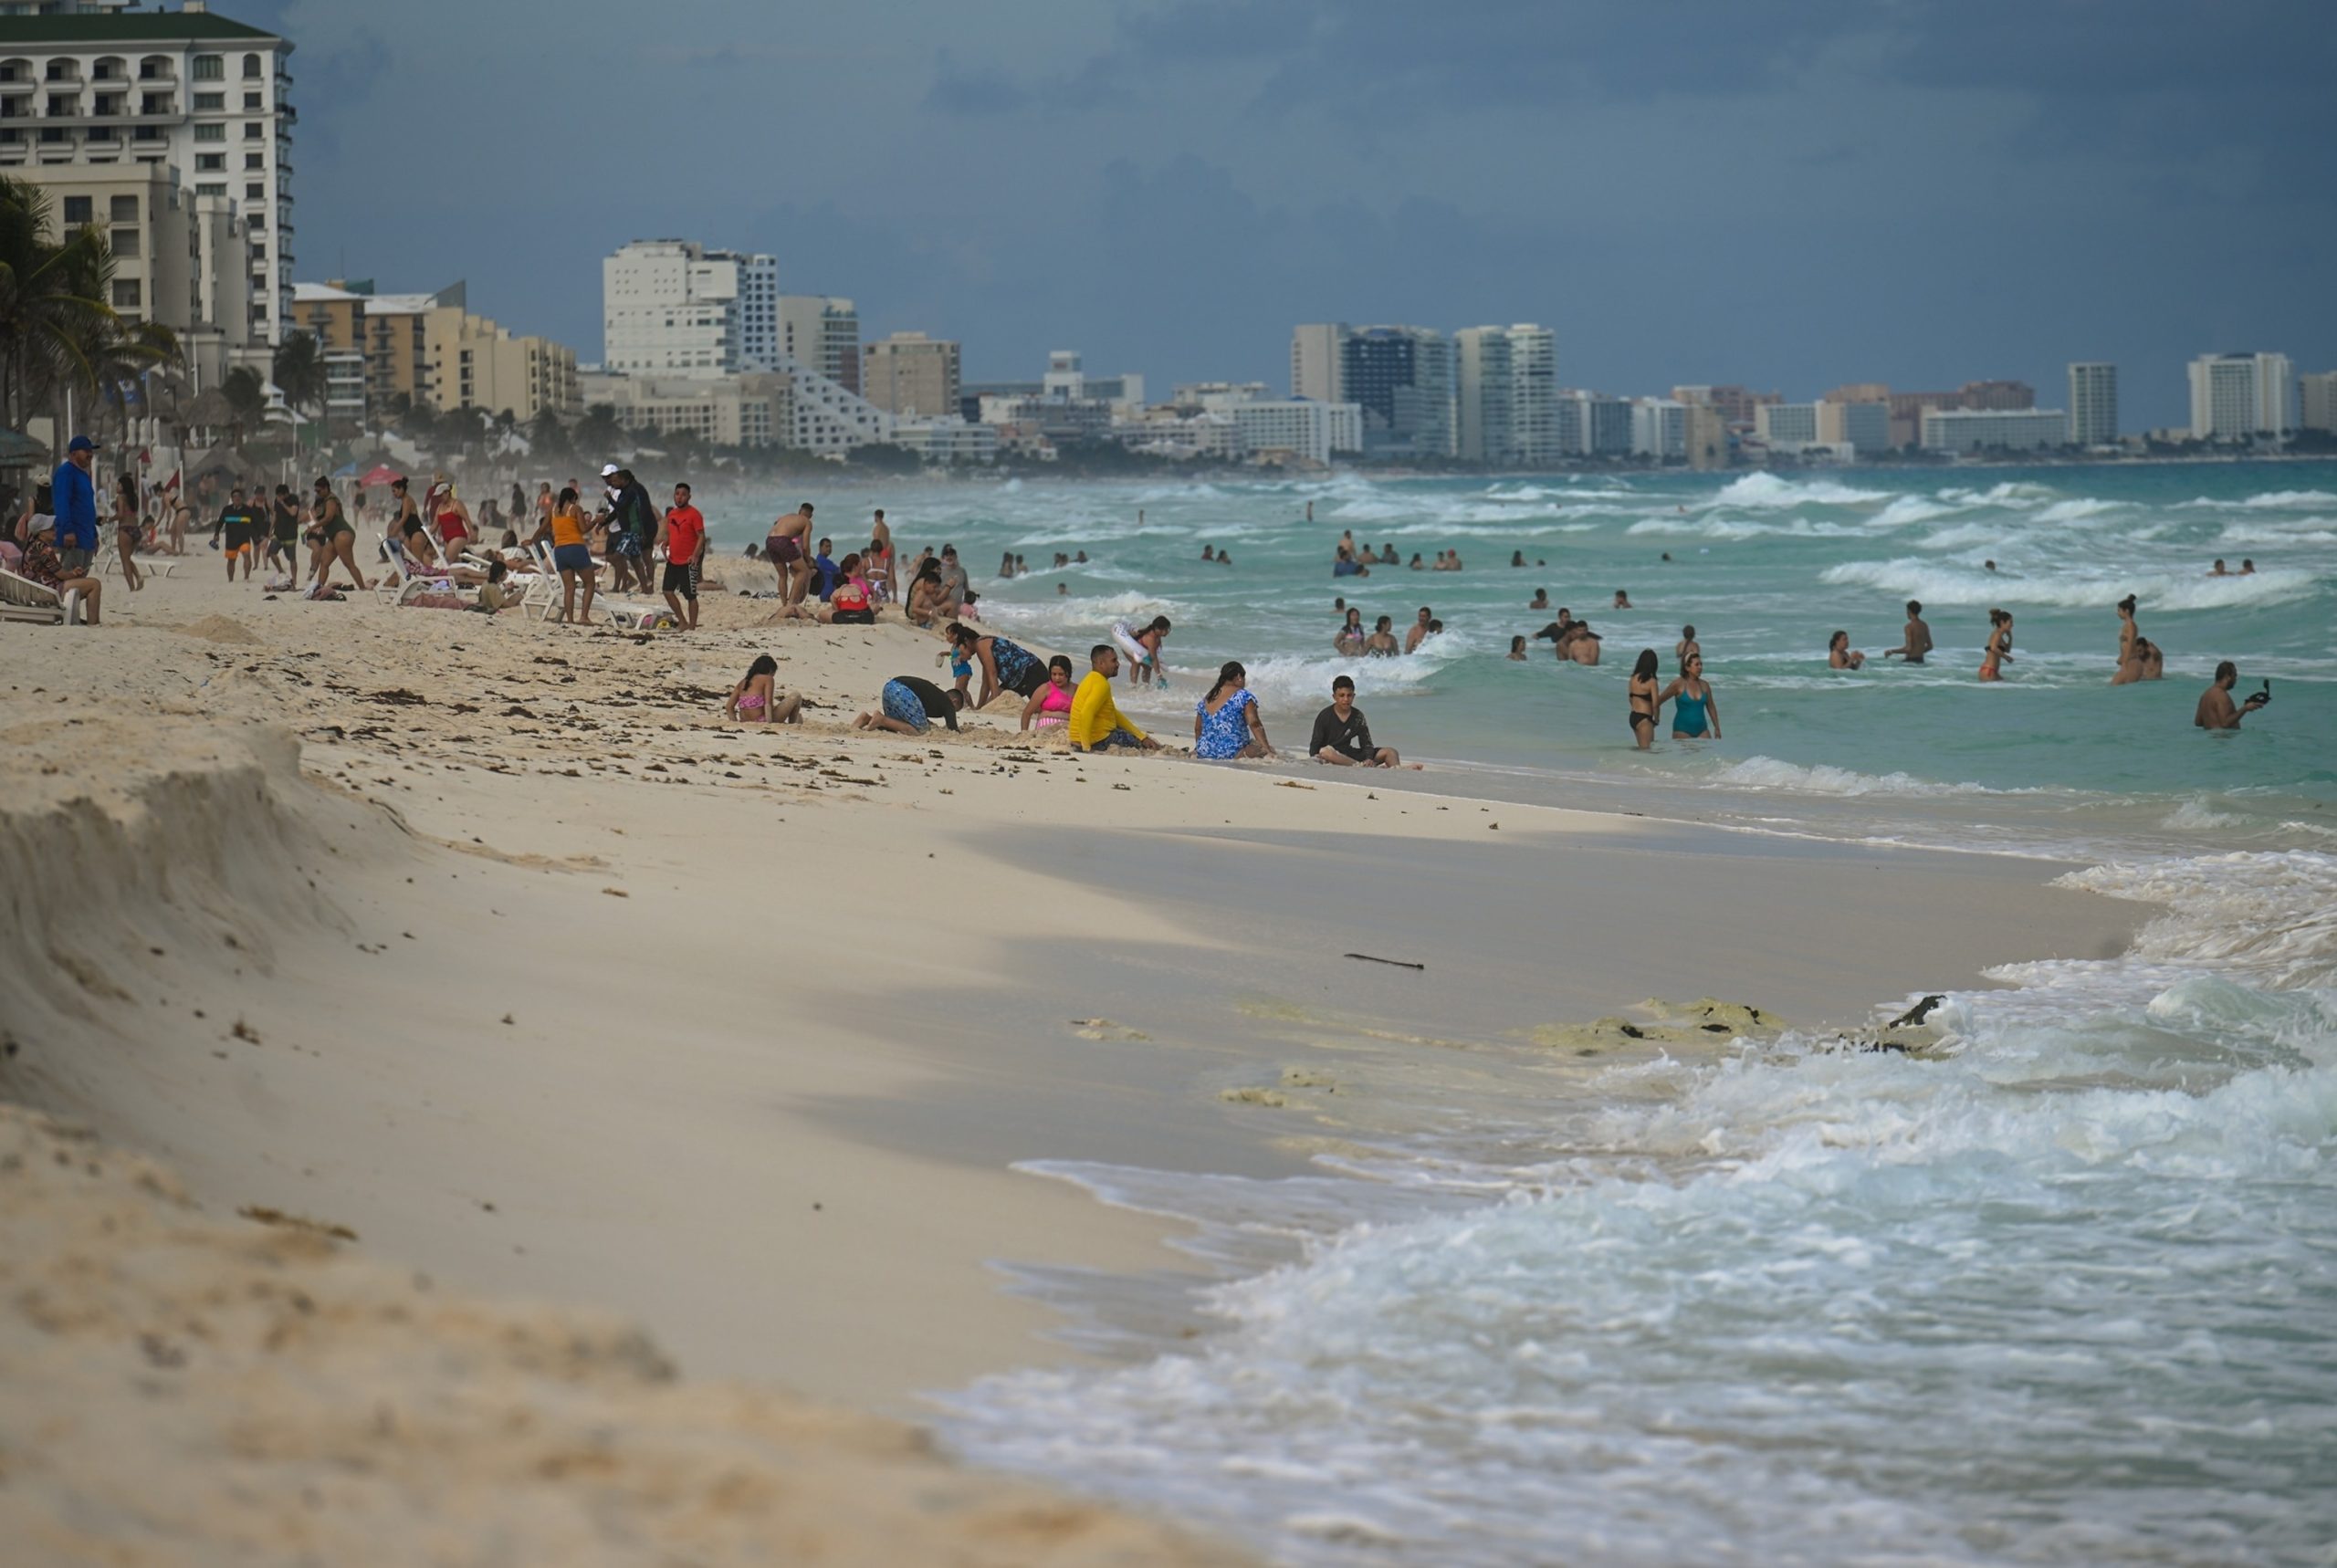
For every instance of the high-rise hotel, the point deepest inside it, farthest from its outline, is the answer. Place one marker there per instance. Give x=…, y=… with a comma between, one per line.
x=200, y=99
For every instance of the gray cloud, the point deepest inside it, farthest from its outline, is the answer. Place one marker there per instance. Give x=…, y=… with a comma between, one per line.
x=1790, y=191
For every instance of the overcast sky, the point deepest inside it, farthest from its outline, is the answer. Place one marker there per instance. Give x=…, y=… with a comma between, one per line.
x=1790, y=193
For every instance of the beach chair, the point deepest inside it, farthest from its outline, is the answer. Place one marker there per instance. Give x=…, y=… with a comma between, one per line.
x=36, y=604
x=407, y=573
x=542, y=595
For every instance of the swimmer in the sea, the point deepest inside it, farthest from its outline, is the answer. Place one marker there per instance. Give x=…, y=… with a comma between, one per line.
x=1917, y=637
x=1840, y=655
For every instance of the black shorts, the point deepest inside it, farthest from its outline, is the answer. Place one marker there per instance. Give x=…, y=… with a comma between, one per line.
x=853, y=618
x=679, y=579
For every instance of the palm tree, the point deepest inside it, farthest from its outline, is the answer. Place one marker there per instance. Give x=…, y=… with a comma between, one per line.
x=299, y=371
x=57, y=335
x=52, y=305
x=247, y=395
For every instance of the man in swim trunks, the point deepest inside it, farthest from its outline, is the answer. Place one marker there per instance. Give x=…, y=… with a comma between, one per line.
x=1918, y=636
x=242, y=525
x=683, y=533
x=1416, y=630
x=784, y=549
x=1557, y=632
x=2217, y=710
x=1342, y=737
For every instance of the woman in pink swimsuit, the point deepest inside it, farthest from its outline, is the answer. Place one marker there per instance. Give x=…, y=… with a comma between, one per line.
x=1050, y=706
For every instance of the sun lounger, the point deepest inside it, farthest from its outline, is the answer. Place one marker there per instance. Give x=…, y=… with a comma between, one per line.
x=22, y=599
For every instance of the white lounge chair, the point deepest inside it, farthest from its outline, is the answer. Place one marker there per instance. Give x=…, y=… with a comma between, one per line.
x=22, y=599
x=406, y=572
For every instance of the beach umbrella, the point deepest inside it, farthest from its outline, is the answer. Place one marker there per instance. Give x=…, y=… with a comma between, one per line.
x=380, y=473
x=18, y=450
x=346, y=471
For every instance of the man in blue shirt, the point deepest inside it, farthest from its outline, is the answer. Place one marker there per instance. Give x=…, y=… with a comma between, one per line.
x=76, y=497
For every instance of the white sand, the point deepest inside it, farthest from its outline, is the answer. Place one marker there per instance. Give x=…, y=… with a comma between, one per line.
x=555, y=987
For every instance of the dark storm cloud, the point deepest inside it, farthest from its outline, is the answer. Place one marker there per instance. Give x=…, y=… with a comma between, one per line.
x=1794, y=192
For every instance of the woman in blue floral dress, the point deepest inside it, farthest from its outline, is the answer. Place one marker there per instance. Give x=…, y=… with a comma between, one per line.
x=1226, y=723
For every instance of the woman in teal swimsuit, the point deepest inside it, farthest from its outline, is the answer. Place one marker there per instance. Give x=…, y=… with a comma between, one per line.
x=1695, y=712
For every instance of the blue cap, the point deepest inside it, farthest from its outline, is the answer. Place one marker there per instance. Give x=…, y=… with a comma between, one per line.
x=80, y=443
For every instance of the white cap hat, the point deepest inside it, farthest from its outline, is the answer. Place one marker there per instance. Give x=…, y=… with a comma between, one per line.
x=610, y=471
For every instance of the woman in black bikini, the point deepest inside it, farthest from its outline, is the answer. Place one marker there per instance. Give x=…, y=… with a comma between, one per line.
x=1643, y=699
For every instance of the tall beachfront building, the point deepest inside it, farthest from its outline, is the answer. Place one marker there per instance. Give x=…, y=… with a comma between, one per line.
x=2317, y=402
x=1316, y=362
x=2236, y=395
x=1485, y=430
x=207, y=97
x=2093, y=403
x=821, y=333
x=673, y=308
x=910, y=373
x=1505, y=395
x=1402, y=378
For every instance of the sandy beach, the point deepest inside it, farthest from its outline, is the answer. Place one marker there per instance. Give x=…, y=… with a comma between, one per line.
x=644, y=1089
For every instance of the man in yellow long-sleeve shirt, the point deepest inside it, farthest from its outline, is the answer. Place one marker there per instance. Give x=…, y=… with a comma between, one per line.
x=1095, y=719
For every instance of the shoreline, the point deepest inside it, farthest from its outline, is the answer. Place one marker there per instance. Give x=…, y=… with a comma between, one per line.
x=559, y=989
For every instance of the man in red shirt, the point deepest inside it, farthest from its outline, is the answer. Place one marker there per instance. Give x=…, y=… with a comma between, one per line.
x=683, y=533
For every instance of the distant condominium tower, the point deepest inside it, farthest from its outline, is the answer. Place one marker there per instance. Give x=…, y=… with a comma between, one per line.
x=2093, y=403
x=673, y=308
x=1402, y=378
x=2316, y=394
x=1505, y=395
x=1317, y=357
x=2237, y=395
x=1486, y=430
x=911, y=373
x=823, y=334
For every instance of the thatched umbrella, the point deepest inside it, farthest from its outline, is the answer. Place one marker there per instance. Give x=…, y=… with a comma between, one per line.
x=230, y=461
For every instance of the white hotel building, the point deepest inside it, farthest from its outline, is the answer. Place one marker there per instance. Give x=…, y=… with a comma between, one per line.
x=2236, y=395
x=208, y=97
x=1989, y=429
x=1300, y=426
x=672, y=308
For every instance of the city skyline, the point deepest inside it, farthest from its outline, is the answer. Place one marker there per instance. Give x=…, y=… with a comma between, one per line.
x=1788, y=196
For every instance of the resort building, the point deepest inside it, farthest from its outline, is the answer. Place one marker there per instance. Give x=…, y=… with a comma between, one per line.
x=1988, y=430
x=672, y=308
x=1786, y=424
x=2093, y=403
x=911, y=374
x=1301, y=427
x=178, y=258
x=822, y=334
x=2317, y=397
x=186, y=90
x=2234, y=396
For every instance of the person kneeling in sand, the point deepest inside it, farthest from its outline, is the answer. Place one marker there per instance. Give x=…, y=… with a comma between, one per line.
x=908, y=705
x=757, y=699
x=1343, y=738
x=1096, y=720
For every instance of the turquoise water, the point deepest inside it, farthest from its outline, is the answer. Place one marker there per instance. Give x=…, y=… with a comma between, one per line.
x=2065, y=1294
x=1764, y=568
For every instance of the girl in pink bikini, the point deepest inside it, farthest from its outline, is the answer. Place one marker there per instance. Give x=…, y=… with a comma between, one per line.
x=1050, y=706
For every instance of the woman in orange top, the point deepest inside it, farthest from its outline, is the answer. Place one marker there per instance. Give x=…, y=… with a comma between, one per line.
x=564, y=526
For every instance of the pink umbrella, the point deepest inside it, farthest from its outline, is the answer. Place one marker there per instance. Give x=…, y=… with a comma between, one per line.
x=380, y=474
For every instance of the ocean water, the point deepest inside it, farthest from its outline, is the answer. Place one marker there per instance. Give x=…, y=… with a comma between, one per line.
x=2066, y=1292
